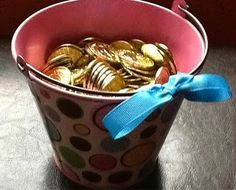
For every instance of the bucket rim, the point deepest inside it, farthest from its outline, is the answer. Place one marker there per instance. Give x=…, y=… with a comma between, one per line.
x=36, y=75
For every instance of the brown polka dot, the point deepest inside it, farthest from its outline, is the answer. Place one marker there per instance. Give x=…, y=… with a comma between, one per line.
x=103, y=161
x=120, y=177
x=100, y=113
x=69, y=108
x=154, y=115
x=52, y=114
x=81, y=129
x=91, y=176
x=148, y=132
x=80, y=144
x=138, y=154
x=44, y=93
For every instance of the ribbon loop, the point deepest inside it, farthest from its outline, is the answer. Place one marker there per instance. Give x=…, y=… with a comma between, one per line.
x=125, y=117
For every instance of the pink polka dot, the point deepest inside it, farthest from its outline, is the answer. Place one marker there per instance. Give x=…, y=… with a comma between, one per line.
x=100, y=113
x=103, y=161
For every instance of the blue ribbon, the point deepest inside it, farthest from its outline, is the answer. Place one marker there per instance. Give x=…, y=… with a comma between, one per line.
x=125, y=117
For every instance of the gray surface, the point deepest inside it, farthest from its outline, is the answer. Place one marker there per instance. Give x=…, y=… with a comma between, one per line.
x=199, y=152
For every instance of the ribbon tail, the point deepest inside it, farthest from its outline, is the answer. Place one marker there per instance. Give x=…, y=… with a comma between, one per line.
x=207, y=88
x=130, y=113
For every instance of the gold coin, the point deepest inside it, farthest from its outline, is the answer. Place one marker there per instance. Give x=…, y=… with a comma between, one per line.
x=78, y=76
x=149, y=73
x=121, y=44
x=102, y=51
x=83, y=42
x=136, y=60
x=61, y=73
x=137, y=44
x=83, y=61
x=152, y=52
x=113, y=83
x=127, y=89
x=102, y=75
x=70, y=50
x=96, y=71
x=61, y=60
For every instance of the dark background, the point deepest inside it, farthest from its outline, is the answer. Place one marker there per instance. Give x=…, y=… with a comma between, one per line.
x=217, y=16
x=199, y=152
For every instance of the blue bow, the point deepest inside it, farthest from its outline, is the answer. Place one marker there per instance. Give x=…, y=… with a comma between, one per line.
x=131, y=112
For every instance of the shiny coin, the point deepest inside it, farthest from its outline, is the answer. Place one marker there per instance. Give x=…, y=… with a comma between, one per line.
x=113, y=83
x=121, y=44
x=62, y=74
x=128, y=89
x=136, y=60
x=152, y=51
x=83, y=42
x=78, y=76
x=137, y=44
x=61, y=60
x=83, y=61
x=101, y=51
x=72, y=51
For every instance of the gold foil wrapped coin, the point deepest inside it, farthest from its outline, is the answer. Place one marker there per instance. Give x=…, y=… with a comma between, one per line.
x=118, y=66
x=61, y=73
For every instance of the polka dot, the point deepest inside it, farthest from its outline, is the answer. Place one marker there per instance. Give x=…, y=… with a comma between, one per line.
x=44, y=93
x=171, y=110
x=120, y=177
x=72, y=157
x=52, y=114
x=52, y=131
x=103, y=161
x=69, y=172
x=69, y=108
x=111, y=145
x=81, y=129
x=147, y=168
x=100, y=113
x=148, y=132
x=80, y=144
x=91, y=176
x=154, y=115
x=138, y=154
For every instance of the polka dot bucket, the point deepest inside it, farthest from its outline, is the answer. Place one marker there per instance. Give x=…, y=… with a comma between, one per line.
x=84, y=150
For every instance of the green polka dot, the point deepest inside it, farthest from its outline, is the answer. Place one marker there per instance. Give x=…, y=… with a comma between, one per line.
x=71, y=157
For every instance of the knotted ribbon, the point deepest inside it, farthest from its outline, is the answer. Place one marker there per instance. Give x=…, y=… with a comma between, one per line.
x=125, y=117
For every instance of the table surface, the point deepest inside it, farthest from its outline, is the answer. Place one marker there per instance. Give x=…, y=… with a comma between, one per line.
x=199, y=152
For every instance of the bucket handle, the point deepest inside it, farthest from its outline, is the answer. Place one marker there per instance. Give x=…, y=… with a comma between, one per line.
x=26, y=68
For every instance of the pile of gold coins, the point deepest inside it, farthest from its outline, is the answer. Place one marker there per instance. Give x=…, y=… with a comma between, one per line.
x=119, y=66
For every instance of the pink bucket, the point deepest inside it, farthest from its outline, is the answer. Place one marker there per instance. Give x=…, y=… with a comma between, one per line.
x=84, y=150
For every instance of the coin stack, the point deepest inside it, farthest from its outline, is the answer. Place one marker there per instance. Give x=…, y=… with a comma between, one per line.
x=119, y=66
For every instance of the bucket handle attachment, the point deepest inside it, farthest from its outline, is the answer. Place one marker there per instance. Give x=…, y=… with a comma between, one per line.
x=26, y=68
x=175, y=7
x=200, y=28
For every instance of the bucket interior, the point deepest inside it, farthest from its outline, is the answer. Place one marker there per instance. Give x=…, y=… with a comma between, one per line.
x=69, y=22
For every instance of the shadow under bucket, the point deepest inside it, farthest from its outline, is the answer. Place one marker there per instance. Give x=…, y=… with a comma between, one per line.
x=84, y=150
